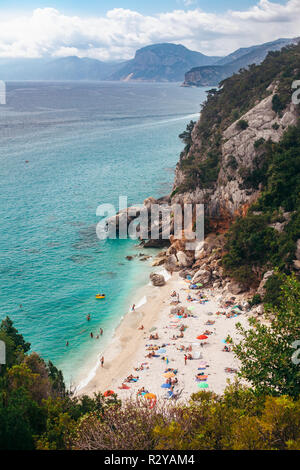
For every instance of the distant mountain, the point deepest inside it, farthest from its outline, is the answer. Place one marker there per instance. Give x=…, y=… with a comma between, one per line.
x=162, y=62
x=66, y=68
x=226, y=66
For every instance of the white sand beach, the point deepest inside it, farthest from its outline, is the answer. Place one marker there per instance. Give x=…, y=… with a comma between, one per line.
x=131, y=345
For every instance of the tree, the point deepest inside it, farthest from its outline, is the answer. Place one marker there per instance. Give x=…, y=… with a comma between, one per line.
x=8, y=328
x=266, y=350
x=186, y=136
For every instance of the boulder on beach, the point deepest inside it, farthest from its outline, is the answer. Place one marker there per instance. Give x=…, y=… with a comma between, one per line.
x=202, y=275
x=157, y=280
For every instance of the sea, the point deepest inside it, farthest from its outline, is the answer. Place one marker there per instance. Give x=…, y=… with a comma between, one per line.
x=65, y=149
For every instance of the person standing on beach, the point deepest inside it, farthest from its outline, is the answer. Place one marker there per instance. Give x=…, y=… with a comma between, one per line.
x=102, y=361
x=101, y=331
x=92, y=336
x=185, y=359
x=133, y=307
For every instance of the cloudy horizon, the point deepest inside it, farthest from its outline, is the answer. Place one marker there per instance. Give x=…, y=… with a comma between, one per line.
x=119, y=32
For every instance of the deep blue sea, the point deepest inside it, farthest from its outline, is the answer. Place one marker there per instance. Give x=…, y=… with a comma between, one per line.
x=65, y=148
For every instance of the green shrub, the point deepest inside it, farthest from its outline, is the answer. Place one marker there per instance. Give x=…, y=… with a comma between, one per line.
x=242, y=124
x=259, y=142
x=277, y=104
x=256, y=300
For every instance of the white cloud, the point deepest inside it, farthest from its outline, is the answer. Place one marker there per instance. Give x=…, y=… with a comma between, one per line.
x=48, y=32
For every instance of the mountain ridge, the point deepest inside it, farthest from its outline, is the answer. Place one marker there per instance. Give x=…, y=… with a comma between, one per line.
x=226, y=66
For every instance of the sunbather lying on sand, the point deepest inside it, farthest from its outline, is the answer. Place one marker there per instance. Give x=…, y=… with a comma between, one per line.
x=171, y=370
x=124, y=387
x=230, y=370
x=226, y=348
x=142, y=390
x=131, y=378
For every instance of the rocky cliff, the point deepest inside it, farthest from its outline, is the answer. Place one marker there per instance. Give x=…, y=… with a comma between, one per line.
x=239, y=158
x=242, y=161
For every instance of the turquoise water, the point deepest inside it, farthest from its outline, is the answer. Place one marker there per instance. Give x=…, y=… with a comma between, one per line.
x=86, y=144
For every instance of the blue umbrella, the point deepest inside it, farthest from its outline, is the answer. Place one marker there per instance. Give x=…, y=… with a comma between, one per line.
x=166, y=386
x=161, y=351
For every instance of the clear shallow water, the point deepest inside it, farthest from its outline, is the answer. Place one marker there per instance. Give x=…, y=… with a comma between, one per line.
x=86, y=144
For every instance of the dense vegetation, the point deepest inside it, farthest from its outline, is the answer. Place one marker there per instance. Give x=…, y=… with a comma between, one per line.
x=36, y=411
x=253, y=245
x=225, y=105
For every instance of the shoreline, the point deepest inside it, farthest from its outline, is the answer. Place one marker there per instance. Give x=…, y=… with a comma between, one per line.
x=119, y=350
x=127, y=349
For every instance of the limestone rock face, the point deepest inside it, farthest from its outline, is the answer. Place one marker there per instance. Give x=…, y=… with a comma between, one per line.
x=261, y=288
x=297, y=264
x=171, y=264
x=159, y=260
x=184, y=260
x=230, y=196
x=235, y=288
x=157, y=280
x=202, y=275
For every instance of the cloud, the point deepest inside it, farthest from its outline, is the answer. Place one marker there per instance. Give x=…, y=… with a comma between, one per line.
x=117, y=35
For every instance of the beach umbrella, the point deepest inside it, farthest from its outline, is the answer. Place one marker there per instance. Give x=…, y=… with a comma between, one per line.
x=168, y=375
x=202, y=377
x=108, y=393
x=150, y=396
x=166, y=386
x=152, y=329
x=161, y=351
x=202, y=337
x=203, y=385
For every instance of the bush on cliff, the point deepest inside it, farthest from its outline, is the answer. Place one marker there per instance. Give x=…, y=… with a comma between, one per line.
x=268, y=352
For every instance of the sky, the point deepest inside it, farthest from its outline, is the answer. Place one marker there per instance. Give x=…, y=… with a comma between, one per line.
x=114, y=30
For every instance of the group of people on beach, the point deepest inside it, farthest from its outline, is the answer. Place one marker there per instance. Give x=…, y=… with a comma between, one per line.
x=178, y=312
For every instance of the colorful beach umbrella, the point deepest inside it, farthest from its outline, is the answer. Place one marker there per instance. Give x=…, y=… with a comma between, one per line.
x=166, y=386
x=150, y=396
x=108, y=393
x=168, y=375
x=202, y=337
x=203, y=385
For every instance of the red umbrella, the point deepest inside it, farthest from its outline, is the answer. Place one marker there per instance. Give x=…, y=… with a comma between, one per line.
x=202, y=337
x=108, y=393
